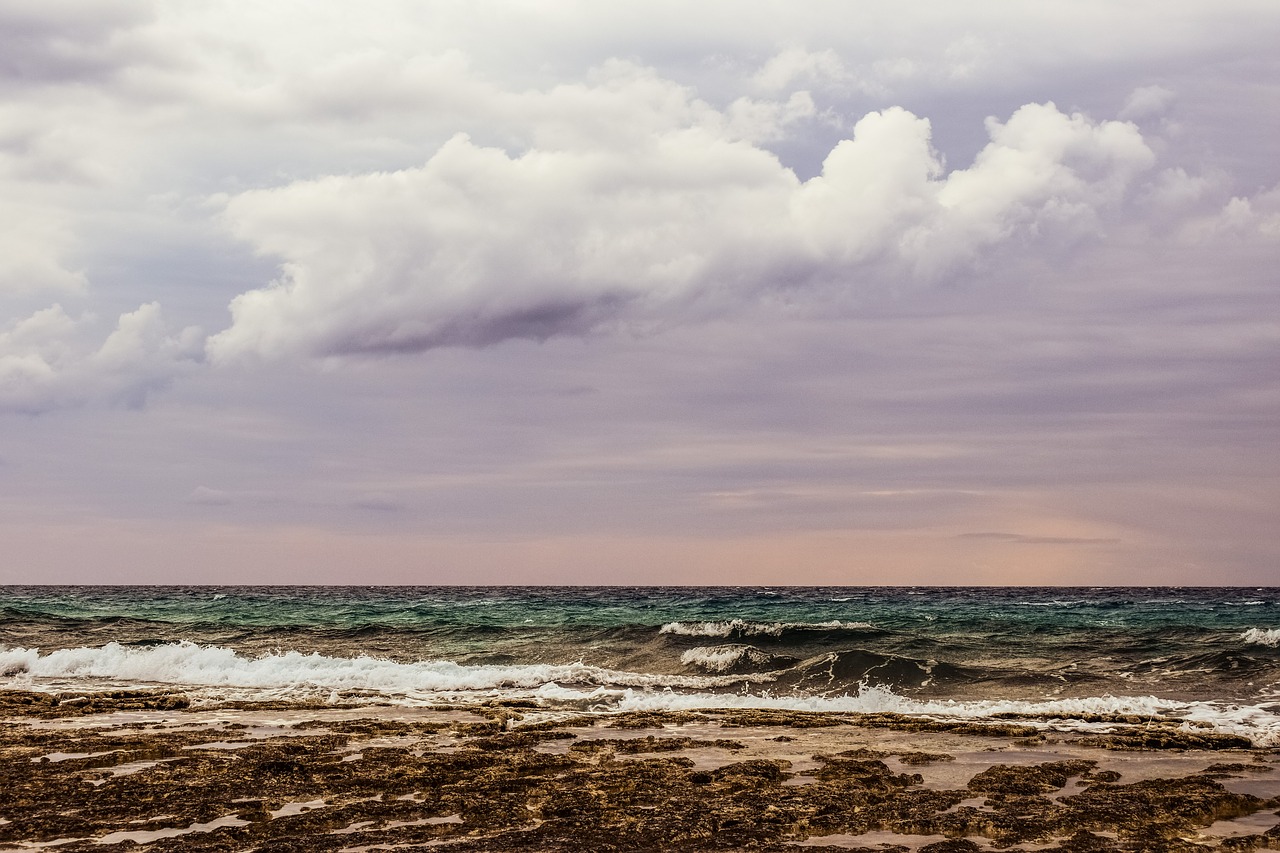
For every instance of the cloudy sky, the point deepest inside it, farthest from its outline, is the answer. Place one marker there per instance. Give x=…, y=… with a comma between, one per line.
x=436, y=291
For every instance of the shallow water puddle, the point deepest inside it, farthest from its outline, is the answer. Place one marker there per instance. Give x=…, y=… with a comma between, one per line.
x=57, y=842
x=223, y=744
x=975, y=803
x=128, y=769
x=1260, y=781
x=354, y=751
x=1254, y=824
x=397, y=824
x=131, y=767
x=290, y=809
x=55, y=757
x=144, y=836
x=140, y=836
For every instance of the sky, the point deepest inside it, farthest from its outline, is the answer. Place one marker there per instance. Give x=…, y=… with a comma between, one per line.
x=572, y=292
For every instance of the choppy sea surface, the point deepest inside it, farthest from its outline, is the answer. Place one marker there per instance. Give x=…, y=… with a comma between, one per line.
x=1208, y=656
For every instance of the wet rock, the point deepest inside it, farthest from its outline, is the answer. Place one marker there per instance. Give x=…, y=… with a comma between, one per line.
x=1155, y=810
x=951, y=845
x=518, y=740
x=1166, y=737
x=21, y=703
x=653, y=719
x=632, y=746
x=1027, y=779
x=869, y=773
x=916, y=759
x=1086, y=842
x=904, y=723
x=1234, y=768
x=791, y=719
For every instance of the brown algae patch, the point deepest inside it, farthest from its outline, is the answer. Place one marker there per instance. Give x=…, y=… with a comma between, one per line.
x=513, y=778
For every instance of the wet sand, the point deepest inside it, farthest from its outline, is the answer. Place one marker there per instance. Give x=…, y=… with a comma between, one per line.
x=144, y=771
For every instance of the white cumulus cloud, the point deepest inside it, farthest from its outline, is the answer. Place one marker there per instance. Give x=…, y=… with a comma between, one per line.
x=479, y=245
x=46, y=363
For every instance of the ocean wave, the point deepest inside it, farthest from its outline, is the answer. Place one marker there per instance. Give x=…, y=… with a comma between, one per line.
x=218, y=673
x=190, y=664
x=1224, y=663
x=744, y=628
x=1262, y=637
x=849, y=668
x=729, y=658
x=1261, y=725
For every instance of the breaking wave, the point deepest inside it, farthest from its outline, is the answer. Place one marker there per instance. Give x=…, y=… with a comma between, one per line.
x=189, y=664
x=1261, y=725
x=816, y=684
x=733, y=658
x=1262, y=637
x=743, y=628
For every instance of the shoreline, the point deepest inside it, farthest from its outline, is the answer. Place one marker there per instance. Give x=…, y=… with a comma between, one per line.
x=117, y=770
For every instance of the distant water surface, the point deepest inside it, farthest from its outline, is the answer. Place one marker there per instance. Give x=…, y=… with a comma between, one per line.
x=1210, y=656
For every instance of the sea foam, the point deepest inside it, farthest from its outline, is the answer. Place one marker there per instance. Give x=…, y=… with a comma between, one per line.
x=724, y=658
x=225, y=671
x=189, y=664
x=1262, y=637
x=1260, y=724
x=743, y=628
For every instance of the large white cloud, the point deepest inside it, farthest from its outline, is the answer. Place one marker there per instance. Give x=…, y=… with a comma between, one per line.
x=479, y=245
x=33, y=244
x=46, y=361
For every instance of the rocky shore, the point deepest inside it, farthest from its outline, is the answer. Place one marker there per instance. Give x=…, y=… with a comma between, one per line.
x=147, y=771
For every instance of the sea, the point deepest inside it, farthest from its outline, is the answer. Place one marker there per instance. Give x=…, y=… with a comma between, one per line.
x=1067, y=658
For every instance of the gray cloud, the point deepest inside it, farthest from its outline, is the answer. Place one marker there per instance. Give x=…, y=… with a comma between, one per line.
x=64, y=41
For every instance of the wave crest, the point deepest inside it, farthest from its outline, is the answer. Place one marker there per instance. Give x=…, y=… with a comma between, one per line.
x=729, y=658
x=189, y=664
x=1262, y=637
x=1261, y=725
x=744, y=628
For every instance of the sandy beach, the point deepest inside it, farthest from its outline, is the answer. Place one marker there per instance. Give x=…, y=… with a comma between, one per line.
x=148, y=771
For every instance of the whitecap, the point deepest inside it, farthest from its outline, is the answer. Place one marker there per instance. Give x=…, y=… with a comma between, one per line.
x=189, y=664
x=724, y=658
x=1262, y=637
x=744, y=628
x=1260, y=724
